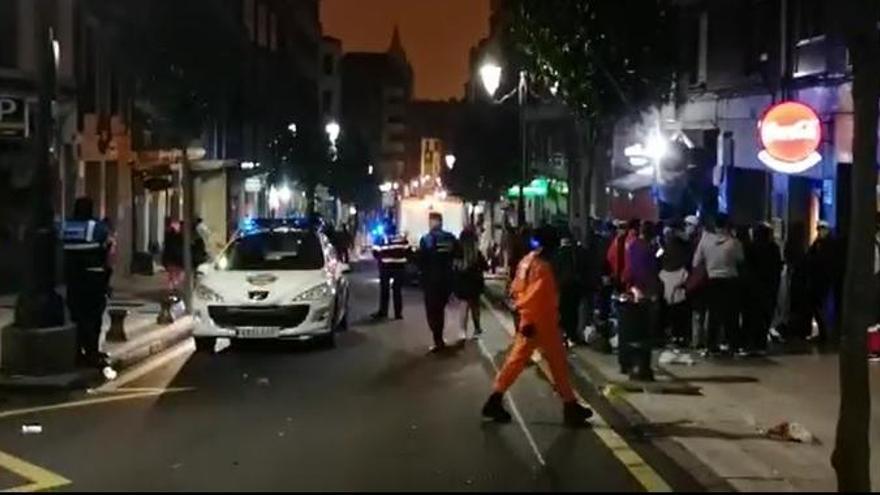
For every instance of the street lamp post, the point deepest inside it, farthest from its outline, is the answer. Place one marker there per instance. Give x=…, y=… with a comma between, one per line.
x=490, y=73
x=38, y=342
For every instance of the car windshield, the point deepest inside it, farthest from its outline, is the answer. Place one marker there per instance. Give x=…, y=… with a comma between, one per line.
x=277, y=250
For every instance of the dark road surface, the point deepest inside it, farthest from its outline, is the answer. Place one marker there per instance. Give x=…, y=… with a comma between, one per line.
x=375, y=413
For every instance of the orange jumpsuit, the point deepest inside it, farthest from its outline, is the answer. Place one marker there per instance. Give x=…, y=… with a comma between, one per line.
x=536, y=297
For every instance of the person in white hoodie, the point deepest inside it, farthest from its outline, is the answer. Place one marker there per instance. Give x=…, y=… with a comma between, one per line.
x=721, y=254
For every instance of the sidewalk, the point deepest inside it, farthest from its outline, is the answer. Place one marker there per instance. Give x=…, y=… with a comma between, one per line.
x=140, y=295
x=737, y=398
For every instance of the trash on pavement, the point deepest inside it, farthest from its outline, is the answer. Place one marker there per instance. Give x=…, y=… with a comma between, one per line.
x=31, y=429
x=676, y=357
x=109, y=373
x=790, y=432
x=613, y=391
x=590, y=334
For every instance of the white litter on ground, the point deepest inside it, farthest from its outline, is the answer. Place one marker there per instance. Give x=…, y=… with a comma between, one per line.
x=31, y=429
x=109, y=373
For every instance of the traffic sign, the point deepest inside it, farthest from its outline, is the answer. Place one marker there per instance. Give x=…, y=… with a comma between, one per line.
x=13, y=117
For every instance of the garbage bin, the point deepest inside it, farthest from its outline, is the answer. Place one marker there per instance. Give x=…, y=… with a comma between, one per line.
x=634, y=337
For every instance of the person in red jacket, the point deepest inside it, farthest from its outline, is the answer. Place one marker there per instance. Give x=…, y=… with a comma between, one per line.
x=536, y=299
x=616, y=255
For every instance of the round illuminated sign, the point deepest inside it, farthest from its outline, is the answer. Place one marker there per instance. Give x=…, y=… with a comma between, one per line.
x=791, y=133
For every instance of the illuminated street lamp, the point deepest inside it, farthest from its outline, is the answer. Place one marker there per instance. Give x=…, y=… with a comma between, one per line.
x=332, y=129
x=450, y=161
x=292, y=128
x=369, y=170
x=490, y=73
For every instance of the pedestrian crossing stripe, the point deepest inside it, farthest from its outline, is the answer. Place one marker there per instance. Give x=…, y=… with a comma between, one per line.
x=39, y=479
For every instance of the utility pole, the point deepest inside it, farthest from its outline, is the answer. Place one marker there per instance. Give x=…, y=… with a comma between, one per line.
x=39, y=343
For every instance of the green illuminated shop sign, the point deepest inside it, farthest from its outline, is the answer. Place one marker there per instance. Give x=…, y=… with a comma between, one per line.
x=540, y=187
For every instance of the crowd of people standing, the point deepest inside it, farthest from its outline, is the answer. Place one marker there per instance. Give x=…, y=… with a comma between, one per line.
x=710, y=285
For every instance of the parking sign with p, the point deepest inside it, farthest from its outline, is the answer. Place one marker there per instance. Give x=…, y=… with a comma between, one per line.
x=13, y=117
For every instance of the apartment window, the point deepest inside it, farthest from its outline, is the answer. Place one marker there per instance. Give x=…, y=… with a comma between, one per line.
x=329, y=65
x=810, y=19
x=763, y=17
x=9, y=34
x=327, y=99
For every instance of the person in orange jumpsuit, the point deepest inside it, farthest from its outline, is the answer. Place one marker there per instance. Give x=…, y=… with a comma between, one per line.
x=536, y=299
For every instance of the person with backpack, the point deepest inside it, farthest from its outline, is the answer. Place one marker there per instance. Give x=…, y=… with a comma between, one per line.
x=469, y=266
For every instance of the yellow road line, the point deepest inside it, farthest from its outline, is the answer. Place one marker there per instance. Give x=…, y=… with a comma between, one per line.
x=646, y=475
x=85, y=402
x=39, y=479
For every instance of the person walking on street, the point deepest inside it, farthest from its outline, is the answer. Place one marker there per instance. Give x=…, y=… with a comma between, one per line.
x=536, y=299
x=569, y=265
x=722, y=255
x=764, y=262
x=86, y=263
x=172, y=254
x=392, y=254
x=437, y=251
x=470, y=266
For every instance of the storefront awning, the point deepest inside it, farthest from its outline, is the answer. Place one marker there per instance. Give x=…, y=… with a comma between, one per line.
x=632, y=182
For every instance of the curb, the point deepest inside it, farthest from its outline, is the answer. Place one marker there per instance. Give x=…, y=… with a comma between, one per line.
x=151, y=343
x=146, y=345
x=625, y=417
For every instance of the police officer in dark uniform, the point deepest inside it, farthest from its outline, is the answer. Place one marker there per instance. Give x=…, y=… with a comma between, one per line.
x=86, y=248
x=437, y=251
x=392, y=253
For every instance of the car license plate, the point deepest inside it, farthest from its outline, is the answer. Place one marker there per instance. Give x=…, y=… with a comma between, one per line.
x=258, y=333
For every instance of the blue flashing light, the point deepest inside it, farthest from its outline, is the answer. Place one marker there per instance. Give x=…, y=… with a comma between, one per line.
x=533, y=243
x=248, y=225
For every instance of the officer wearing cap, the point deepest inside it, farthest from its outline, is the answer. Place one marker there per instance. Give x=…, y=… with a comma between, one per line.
x=392, y=253
x=437, y=251
x=86, y=248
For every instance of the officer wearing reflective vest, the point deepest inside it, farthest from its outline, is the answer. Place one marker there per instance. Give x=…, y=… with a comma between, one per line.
x=392, y=253
x=86, y=249
x=437, y=250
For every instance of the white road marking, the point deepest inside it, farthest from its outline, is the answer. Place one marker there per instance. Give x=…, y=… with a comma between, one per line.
x=634, y=463
x=516, y=414
x=184, y=348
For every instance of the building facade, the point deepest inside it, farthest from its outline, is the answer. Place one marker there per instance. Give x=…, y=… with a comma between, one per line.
x=730, y=79
x=376, y=88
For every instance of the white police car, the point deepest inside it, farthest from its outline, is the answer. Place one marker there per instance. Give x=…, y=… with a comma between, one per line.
x=276, y=280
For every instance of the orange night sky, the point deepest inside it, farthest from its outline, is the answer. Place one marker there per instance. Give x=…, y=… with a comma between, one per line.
x=437, y=34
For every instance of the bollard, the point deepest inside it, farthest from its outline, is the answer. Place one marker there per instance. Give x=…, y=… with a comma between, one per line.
x=116, y=333
x=165, y=317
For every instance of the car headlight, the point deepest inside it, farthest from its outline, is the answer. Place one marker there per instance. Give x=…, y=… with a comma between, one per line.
x=316, y=293
x=207, y=294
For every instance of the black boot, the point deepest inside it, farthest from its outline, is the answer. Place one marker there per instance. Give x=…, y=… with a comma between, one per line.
x=378, y=316
x=493, y=410
x=575, y=414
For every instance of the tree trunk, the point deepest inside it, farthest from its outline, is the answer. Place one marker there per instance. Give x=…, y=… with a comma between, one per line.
x=310, y=200
x=851, y=457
